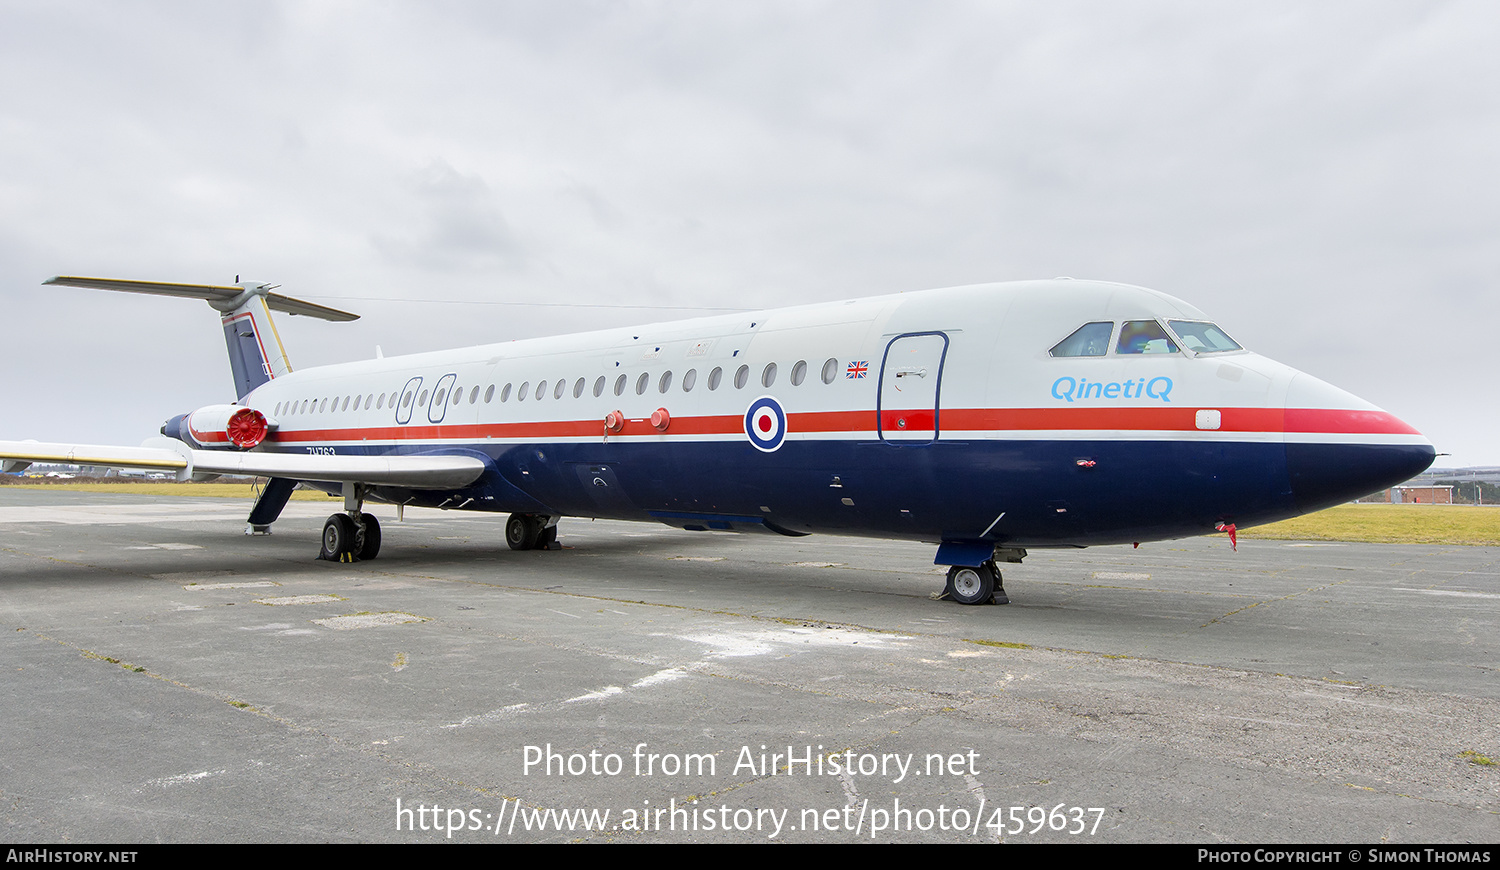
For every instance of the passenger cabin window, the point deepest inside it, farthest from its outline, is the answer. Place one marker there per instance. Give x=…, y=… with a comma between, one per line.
x=562, y=387
x=489, y=393
x=741, y=377
x=831, y=369
x=714, y=377
x=799, y=371
x=689, y=378
x=1202, y=337
x=1144, y=336
x=599, y=387
x=641, y=383
x=1090, y=339
x=620, y=385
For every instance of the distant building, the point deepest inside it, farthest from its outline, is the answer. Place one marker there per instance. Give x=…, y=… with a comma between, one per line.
x=1412, y=494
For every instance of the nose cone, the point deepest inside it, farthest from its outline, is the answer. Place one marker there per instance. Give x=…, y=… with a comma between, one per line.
x=1340, y=447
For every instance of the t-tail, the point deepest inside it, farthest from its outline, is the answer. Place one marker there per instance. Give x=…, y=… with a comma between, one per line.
x=256, y=354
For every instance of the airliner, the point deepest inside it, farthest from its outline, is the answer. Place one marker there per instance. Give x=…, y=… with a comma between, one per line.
x=985, y=420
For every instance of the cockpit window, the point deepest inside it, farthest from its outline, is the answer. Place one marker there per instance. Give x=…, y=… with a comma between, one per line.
x=1202, y=337
x=1144, y=336
x=1090, y=339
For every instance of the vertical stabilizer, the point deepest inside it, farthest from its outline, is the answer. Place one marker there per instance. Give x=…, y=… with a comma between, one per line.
x=256, y=354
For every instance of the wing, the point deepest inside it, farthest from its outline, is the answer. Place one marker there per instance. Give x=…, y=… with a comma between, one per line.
x=416, y=472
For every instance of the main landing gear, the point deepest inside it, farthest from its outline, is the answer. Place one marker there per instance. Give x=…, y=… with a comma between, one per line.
x=531, y=532
x=351, y=536
x=978, y=585
x=346, y=539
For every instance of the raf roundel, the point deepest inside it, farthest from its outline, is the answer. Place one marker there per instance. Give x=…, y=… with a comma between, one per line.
x=765, y=424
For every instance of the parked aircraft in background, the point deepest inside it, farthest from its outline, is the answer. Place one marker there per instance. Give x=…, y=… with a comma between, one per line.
x=986, y=420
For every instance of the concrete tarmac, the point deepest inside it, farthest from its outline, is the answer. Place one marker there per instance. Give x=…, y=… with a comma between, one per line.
x=168, y=679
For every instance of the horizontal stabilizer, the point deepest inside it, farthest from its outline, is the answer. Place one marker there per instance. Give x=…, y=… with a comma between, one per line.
x=218, y=295
x=416, y=472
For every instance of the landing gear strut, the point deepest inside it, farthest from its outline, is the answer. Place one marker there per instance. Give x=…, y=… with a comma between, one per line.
x=351, y=536
x=531, y=532
x=978, y=585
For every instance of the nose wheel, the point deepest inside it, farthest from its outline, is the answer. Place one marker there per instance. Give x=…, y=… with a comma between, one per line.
x=977, y=585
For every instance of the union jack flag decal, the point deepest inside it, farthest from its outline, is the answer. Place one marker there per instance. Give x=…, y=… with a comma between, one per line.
x=857, y=369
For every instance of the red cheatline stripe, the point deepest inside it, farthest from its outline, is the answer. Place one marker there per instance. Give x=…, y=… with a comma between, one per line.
x=954, y=420
x=1127, y=419
x=1362, y=422
x=208, y=437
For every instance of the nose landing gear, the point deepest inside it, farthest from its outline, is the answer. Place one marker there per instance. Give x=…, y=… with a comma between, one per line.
x=978, y=585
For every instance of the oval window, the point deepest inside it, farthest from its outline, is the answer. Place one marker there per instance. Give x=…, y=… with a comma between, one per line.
x=741, y=377
x=799, y=372
x=830, y=370
x=689, y=378
x=768, y=375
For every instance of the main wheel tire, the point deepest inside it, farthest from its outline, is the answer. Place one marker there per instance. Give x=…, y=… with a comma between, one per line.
x=338, y=537
x=371, y=548
x=971, y=585
x=521, y=531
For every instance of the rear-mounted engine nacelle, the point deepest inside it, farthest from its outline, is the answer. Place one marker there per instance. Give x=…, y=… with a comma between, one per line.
x=224, y=426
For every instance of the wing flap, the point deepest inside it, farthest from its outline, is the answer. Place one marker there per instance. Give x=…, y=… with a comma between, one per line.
x=417, y=472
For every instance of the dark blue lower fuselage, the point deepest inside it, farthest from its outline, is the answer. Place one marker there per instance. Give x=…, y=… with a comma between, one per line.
x=1051, y=493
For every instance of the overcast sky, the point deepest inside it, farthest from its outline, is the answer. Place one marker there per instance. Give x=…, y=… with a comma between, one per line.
x=1321, y=178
